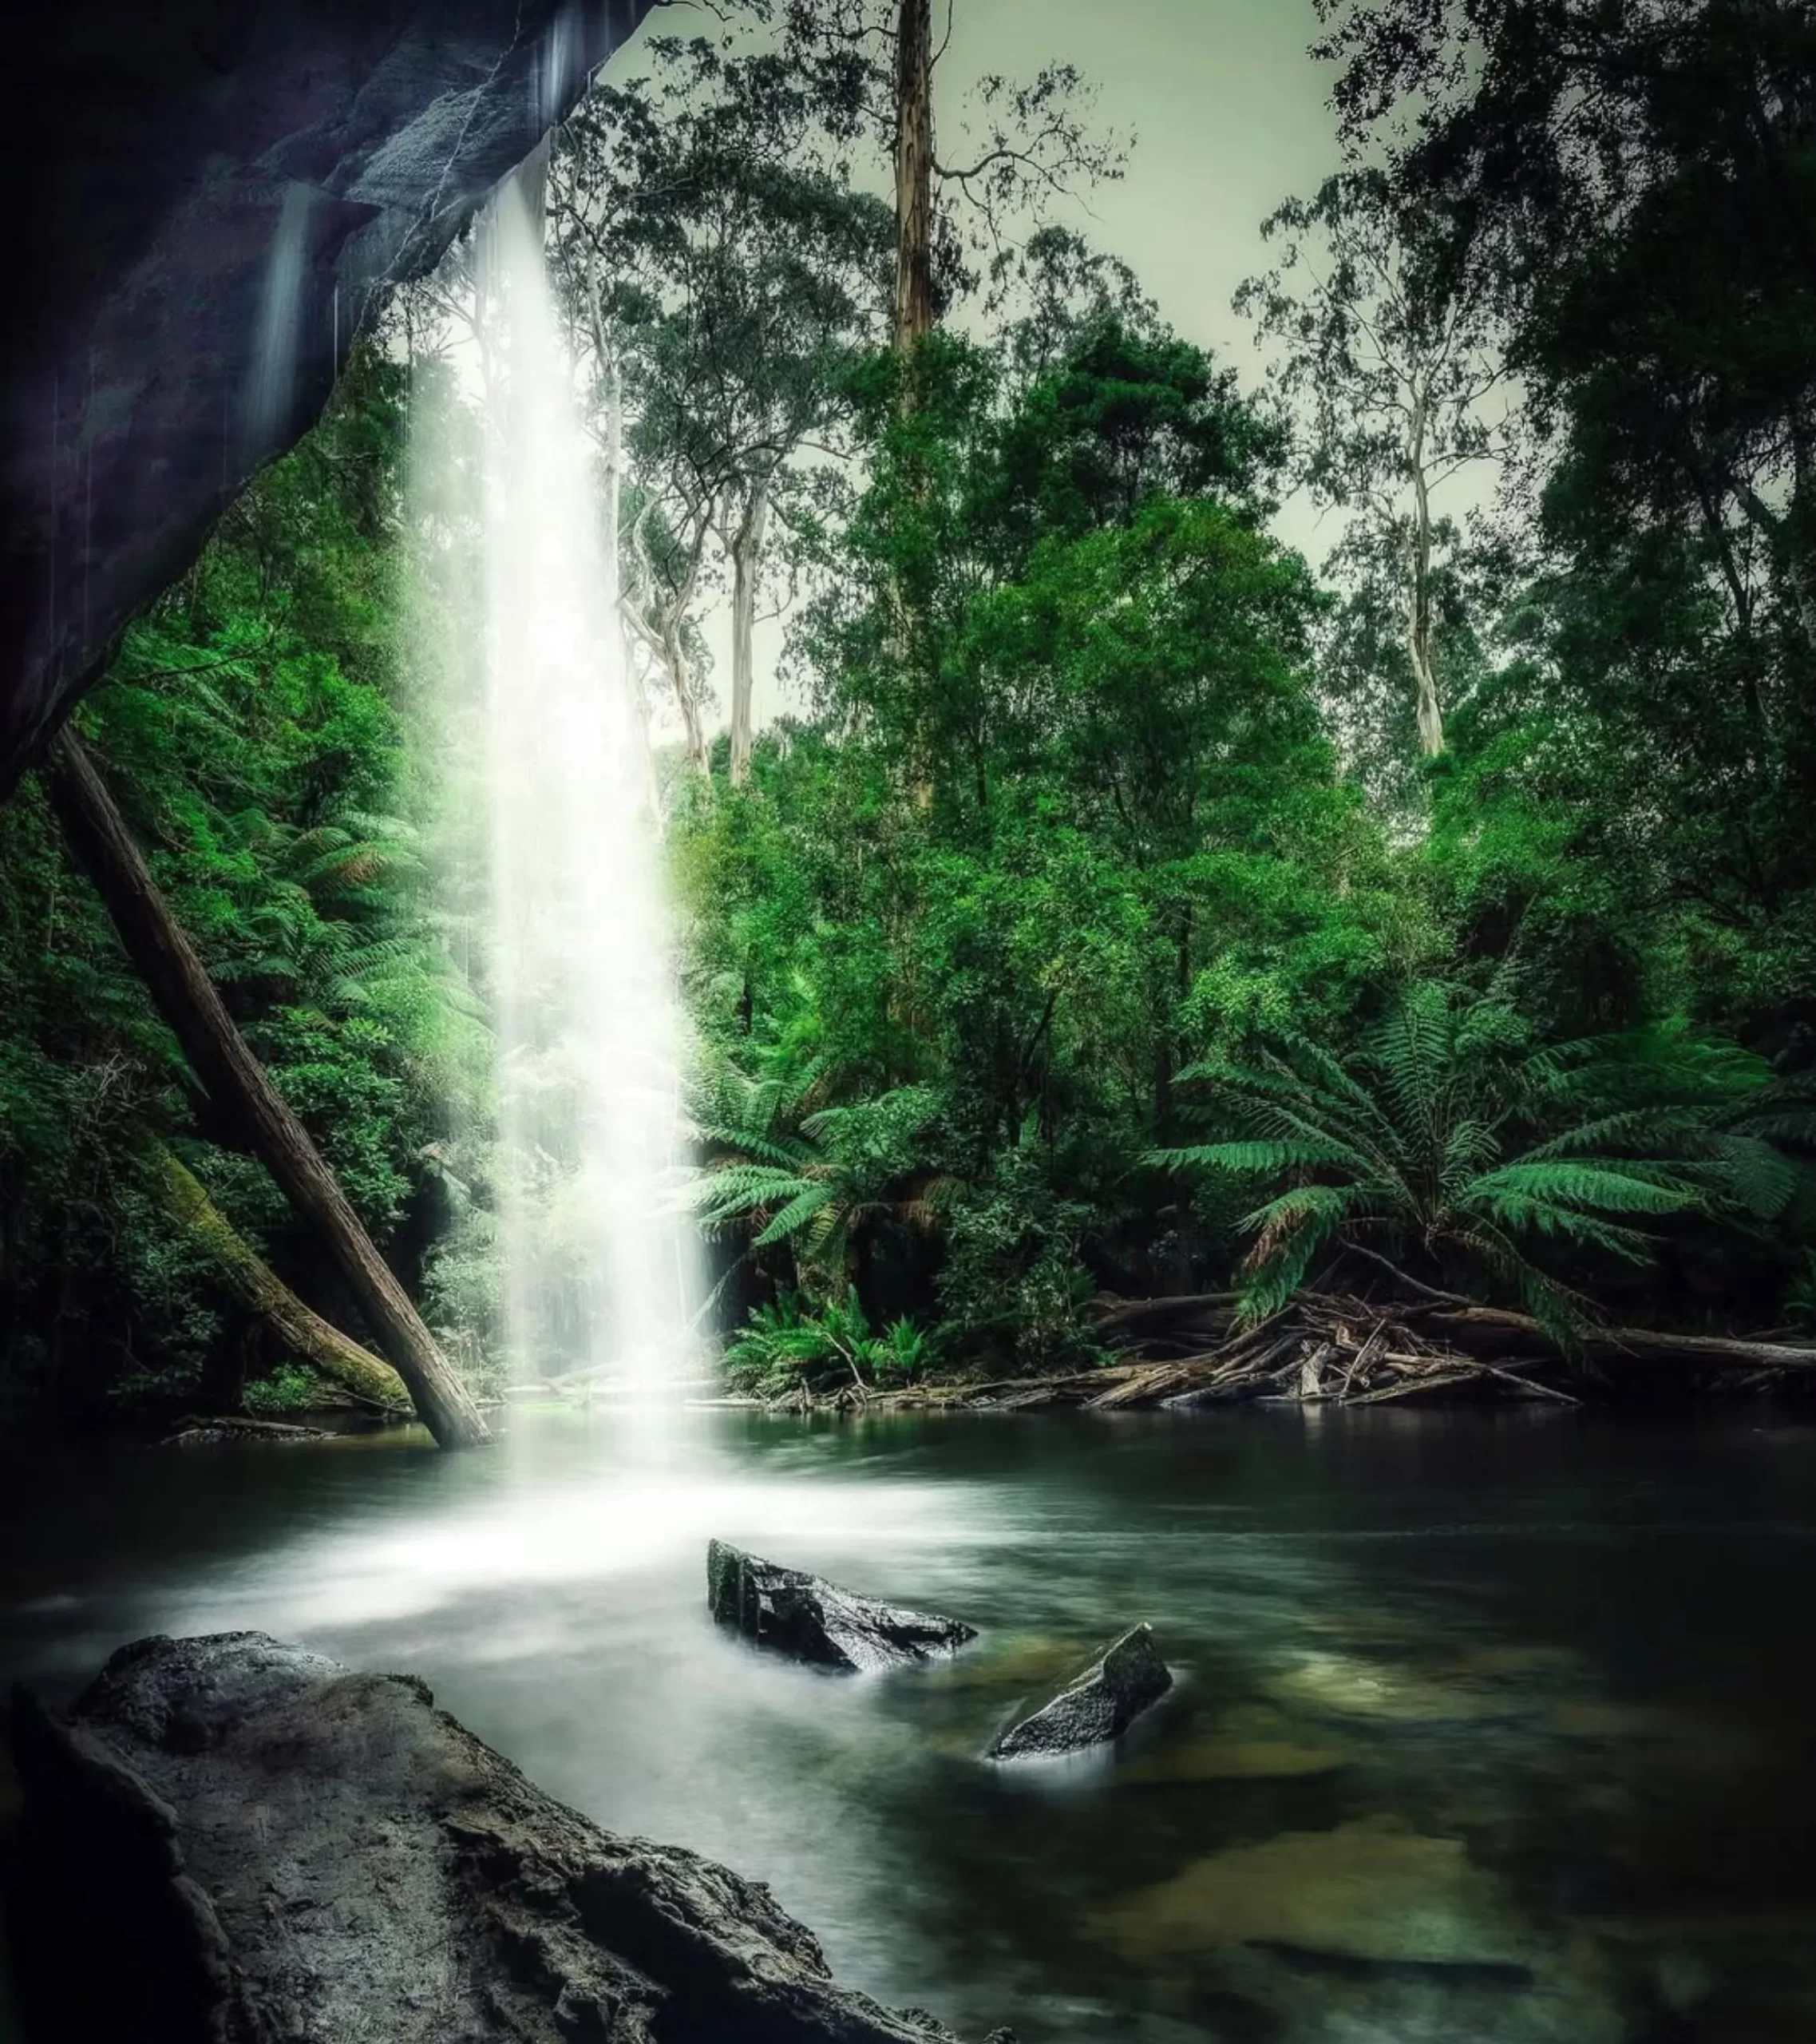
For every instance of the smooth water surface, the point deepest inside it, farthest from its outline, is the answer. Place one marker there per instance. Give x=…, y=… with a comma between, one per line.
x=1486, y=1730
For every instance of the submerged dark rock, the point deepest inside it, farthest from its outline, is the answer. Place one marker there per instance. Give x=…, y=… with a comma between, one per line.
x=232, y=1841
x=816, y=1621
x=1098, y=1705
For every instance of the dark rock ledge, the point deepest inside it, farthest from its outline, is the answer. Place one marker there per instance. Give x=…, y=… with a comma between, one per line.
x=207, y=201
x=232, y=1841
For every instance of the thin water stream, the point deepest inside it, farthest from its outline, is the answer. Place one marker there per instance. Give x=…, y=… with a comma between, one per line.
x=1489, y=1731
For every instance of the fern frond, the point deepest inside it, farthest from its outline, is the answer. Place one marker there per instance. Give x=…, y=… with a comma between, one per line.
x=808, y=1205
x=1245, y=1158
x=1603, y=1186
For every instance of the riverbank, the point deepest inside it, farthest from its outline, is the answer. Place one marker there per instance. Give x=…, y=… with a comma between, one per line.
x=1337, y=1349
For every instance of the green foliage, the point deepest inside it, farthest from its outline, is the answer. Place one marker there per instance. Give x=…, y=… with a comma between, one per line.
x=1455, y=1142
x=289, y=1388
x=250, y=728
x=1065, y=815
x=788, y=1346
x=1012, y=1284
x=821, y=1184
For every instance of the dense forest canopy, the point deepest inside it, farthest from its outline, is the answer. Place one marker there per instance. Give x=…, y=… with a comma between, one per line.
x=1127, y=904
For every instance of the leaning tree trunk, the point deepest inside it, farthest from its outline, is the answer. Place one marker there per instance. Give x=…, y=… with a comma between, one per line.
x=914, y=173
x=746, y=566
x=256, y=1285
x=186, y=999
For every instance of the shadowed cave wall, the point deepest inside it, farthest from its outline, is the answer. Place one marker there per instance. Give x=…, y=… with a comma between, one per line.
x=210, y=197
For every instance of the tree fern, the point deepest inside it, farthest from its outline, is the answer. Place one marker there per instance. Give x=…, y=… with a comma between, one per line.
x=1453, y=1136
x=813, y=1182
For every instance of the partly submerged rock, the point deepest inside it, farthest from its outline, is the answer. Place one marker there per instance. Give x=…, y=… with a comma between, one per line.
x=813, y=1620
x=1096, y=1705
x=232, y=1841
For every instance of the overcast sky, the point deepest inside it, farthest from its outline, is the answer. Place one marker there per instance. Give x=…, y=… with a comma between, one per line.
x=1229, y=117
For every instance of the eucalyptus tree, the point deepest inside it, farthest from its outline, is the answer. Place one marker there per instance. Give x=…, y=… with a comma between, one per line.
x=1638, y=183
x=723, y=269
x=874, y=66
x=1388, y=356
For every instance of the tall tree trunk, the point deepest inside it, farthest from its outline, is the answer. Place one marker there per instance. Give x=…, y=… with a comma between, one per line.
x=1418, y=598
x=746, y=570
x=914, y=266
x=186, y=999
x=914, y=173
x=299, y=1328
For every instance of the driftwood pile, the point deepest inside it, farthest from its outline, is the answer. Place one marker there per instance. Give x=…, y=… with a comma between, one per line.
x=1333, y=1349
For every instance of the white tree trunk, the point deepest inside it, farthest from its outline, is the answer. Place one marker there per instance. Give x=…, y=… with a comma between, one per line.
x=1419, y=596
x=747, y=571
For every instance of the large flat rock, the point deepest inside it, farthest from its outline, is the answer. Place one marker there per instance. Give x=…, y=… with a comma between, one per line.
x=233, y=1841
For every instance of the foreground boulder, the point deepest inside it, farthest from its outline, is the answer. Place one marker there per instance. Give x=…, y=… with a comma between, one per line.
x=813, y=1620
x=1096, y=1705
x=232, y=1841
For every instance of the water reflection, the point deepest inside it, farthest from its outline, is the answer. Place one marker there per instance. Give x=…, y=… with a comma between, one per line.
x=1486, y=1729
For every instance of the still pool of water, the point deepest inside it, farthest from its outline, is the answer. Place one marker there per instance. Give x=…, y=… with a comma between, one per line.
x=1488, y=1730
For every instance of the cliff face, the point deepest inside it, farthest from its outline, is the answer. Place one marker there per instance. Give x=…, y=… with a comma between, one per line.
x=209, y=197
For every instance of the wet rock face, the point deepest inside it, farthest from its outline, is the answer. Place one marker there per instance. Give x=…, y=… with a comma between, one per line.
x=208, y=199
x=1096, y=1705
x=232, y=1841
x=810, y=1619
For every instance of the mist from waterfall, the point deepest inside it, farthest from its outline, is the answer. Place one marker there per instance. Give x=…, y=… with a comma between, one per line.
x=600, y=1271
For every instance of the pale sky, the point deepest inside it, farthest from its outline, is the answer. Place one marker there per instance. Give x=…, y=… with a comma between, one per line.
x=1229, y=118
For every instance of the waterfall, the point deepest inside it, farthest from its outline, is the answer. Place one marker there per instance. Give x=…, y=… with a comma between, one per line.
x=600, y=1270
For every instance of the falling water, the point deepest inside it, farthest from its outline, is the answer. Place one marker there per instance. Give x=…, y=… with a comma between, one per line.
x=599, y=1269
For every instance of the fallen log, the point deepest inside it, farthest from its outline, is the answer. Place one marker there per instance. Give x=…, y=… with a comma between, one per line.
x=1329, y=1350
x=239, y=1086
x=1637, y=1344
x=233, y=1841
x=1004, y=1394
x=1153, y=1323
x=1413, y=1386
x=201, y=1430
x=1122, y=1313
